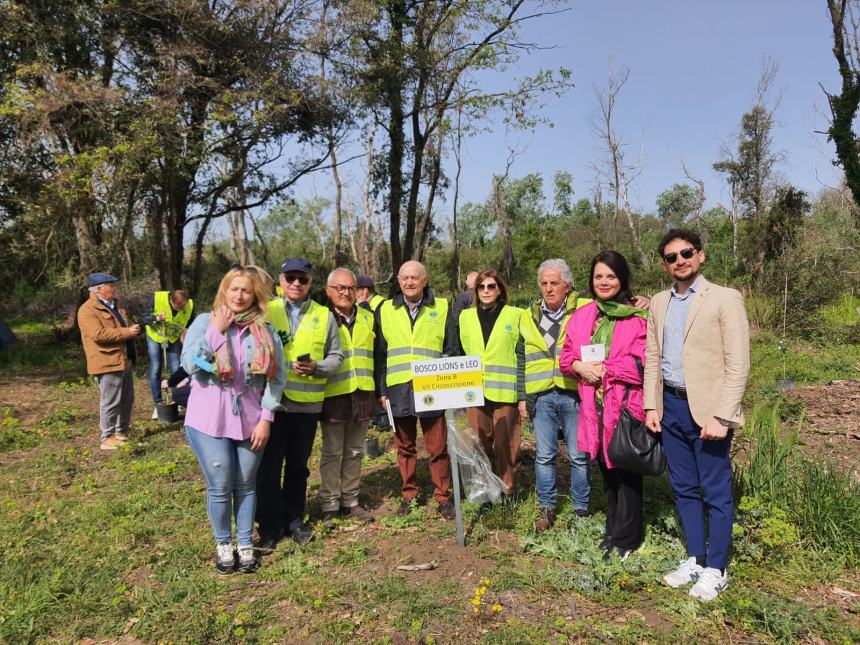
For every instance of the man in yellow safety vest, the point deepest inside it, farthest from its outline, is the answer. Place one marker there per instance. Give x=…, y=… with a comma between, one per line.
x=312, y=352
x=551, y=397
x=171, y=312
x=414, y=325
x=349, y=403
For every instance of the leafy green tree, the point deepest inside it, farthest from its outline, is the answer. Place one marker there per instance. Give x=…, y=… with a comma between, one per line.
x=676, y=204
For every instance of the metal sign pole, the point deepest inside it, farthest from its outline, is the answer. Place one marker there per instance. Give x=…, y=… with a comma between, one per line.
x=455, y=473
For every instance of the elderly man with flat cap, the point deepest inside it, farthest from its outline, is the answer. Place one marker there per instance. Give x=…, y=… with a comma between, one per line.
x=414, y=325
x=366, y=295
x=312, y=353
x=108, y=342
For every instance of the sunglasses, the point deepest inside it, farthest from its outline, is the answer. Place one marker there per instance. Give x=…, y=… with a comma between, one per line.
x=671, y=258
x=239, y=267
x=492, y=286
x=301, y=279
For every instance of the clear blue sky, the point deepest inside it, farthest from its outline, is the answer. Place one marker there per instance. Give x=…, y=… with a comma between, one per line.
x=693, y=66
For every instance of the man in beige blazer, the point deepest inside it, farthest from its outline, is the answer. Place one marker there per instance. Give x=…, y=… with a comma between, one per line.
x=696, y=368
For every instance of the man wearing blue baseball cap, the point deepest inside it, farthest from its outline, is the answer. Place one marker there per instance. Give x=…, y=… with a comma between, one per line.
x=312, y=352
x=108, y=342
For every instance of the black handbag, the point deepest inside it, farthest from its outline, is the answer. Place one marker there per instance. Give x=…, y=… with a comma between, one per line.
x=633, y=447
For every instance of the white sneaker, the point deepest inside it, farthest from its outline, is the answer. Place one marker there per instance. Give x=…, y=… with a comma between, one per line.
x=688, y=572
x=247, y=559
x=225, y=561
x=154, y=413
x=711, y=583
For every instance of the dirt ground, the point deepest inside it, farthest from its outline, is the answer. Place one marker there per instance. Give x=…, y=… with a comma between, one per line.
x=830, y=425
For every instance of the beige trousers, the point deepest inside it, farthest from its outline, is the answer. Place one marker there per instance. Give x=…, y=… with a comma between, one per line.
x=340, y=464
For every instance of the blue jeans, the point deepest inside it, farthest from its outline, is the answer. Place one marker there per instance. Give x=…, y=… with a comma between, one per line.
x=554, y=409
x=701, y=475
x=230, y=469
x=155, y=364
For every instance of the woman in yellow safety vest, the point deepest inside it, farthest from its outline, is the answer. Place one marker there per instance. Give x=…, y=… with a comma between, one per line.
x=490, y=328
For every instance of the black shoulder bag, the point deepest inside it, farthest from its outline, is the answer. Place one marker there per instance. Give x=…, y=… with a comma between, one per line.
x=633, y=447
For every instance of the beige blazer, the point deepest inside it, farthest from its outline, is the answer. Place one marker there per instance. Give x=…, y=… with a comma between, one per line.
x=716, y=353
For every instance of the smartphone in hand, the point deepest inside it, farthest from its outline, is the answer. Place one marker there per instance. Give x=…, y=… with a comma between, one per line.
x=303, y=358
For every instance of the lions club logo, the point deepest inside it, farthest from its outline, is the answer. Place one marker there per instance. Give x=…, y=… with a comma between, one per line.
x=509, y=328
x=470, y=396
x=434, y=315
x=428, y=399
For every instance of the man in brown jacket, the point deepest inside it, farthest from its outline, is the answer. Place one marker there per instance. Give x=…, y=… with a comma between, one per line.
x=109, y=346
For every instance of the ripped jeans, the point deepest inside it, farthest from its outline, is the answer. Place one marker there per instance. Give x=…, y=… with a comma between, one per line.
x=230, y=469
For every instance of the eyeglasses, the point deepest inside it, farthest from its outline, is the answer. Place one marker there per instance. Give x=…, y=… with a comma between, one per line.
x=341, y=288
x=492, y=286
x=301, y=279
x=687, y=253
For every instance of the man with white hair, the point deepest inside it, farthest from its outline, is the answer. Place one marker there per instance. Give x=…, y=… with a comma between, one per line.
x=108, y=342
x=349, y=403
x=551, y=397
x=414, y=325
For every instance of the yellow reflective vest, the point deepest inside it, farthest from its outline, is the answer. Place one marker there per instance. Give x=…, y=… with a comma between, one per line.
x=356, y=371
x=309, y=338
x=499, y=358
x=542, y=368
x=375, y=301
x=174, y=324
x=407, y=342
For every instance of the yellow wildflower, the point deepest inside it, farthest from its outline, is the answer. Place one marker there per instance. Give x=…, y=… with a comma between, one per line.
x=497, y=607
x=476, y=601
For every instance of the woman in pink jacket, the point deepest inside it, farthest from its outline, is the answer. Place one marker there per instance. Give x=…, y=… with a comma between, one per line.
x=605, y=348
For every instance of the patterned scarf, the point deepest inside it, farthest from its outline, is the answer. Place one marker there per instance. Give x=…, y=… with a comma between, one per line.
x=263, y=360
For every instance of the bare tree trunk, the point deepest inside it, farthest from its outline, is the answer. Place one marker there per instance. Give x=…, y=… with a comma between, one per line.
x=427, y=214
x=340, y=258
x=198, y=254
x=504, y=229
x=455, y=241
x=620, y=173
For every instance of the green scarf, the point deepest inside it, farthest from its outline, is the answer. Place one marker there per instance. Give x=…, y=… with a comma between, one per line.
x=612, y=311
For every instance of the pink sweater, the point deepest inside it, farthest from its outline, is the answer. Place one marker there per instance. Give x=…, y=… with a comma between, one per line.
x=628, y=340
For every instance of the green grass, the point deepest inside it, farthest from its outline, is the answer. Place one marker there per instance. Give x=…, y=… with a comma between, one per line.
x=96, y=544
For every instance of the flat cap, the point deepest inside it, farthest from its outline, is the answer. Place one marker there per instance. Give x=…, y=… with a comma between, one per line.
x=296, y=264
x=365, y=281
x=97, y=278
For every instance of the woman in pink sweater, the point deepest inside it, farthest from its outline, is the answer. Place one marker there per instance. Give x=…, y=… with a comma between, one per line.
x=605, y=348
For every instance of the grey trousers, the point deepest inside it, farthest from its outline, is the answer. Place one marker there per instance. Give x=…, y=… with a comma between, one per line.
x=340, y=464
x=116, y=399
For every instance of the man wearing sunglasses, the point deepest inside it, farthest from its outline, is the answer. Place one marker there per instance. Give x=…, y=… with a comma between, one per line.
x=312, y=351
x=696, y=366
x=414, y=325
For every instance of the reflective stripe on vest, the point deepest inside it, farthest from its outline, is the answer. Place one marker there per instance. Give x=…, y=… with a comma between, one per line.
x=309, y=338
x=161, y=305
x=542, y=369
x=499, y=356
x=356, y=371
x=407, y=342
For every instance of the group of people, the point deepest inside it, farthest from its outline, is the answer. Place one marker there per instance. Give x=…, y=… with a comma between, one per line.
x=267, y=371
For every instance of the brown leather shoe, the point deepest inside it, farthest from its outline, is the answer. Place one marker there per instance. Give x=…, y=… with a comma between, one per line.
x=546, y=519
x=358, y=513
